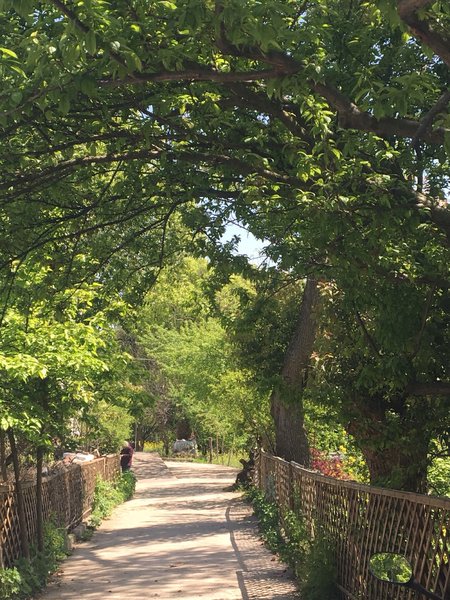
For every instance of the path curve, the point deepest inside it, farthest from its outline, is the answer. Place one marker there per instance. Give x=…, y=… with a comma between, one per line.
x=181, y=536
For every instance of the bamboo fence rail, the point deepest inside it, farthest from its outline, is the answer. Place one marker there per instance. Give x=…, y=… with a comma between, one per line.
x=359, y=521
x=67, y=500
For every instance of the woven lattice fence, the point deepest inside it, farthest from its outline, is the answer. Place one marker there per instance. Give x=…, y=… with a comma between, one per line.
x=359, y=521
x=67, y=500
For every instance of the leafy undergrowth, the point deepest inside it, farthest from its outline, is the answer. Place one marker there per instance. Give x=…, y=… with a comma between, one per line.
x=439, y=477
x=28, y=577
x=109, y=494
x=310, y=559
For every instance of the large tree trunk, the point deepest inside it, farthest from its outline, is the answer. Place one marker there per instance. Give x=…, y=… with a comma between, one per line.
x=396, y=456
x=400, y=466
x=291, y=442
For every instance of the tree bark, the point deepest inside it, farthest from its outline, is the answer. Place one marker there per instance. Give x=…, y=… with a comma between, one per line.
x=395, y=458
x=400, y=466
x=19, y=497
x=291, y=442
x=3, y=471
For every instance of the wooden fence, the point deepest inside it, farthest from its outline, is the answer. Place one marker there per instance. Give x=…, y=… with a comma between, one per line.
x=361, y=520
x=67, y=499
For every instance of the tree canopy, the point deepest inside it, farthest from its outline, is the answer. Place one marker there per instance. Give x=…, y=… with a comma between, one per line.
x=311, y=121
x=135, y=128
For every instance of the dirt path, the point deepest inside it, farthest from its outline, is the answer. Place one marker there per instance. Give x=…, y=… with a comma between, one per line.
x=182, y=536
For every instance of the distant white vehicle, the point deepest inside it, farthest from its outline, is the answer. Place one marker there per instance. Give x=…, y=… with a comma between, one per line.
x=185, y=447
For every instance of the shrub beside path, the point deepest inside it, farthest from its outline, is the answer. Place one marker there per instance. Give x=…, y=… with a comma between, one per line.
x=181, y=536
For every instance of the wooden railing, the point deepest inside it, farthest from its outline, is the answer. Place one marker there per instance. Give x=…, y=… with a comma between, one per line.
x=361, y=520
x=67, y=500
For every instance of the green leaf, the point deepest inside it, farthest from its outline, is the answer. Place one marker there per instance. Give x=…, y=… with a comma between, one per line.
x=18, y=70
x=64, y=105
x=168, y=5
x=133, y=61
x=8, y=52
x=91, y=42
x=88, y=86
x=16, y=97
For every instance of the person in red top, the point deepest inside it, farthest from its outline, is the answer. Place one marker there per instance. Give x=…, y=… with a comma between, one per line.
x=126, y=456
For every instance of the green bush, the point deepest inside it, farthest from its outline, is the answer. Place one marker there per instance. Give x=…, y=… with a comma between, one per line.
x=296, y=542
x=108, y=495
x=10, y=583
x=126, y=485
x=268, y=517
x=312, y=560
x=29, y=576
x=319, y=570
x=439, y=477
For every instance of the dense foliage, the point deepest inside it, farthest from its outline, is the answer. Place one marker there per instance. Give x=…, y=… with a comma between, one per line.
x=180, y=329
x=29, y=577
x=312, y=560
x=109, y=494
x=135, y=129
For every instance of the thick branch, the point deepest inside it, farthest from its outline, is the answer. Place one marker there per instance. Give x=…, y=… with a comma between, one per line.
x=250, y=98
x=195, y=73
x=439, y=211
x=436, y=388
x=298, y=354
x=29, y=181
x=278, y=59
x=70, y=15
x=412, y=6
x=407, y=9
x=428, y=119
x=368, y=337
x=351, y=117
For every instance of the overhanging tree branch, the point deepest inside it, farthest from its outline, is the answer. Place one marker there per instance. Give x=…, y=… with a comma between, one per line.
x=408, y=9
x=351, y=117
x=428, y=119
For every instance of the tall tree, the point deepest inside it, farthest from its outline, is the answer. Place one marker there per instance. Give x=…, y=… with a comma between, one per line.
x=323, y=126
x=286, y=402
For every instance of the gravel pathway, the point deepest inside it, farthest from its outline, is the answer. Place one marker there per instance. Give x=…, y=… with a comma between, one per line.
x=183, y=535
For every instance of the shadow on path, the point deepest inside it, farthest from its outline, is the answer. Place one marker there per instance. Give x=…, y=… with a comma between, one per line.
x=181, y=536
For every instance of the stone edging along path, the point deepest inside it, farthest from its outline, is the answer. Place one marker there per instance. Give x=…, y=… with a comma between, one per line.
x=183, y=535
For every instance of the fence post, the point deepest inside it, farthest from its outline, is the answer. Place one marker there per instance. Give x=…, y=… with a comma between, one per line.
x=291, y=500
